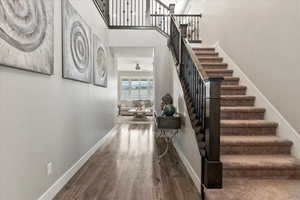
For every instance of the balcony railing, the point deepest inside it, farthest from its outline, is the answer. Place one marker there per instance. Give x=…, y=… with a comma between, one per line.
x=146, y=14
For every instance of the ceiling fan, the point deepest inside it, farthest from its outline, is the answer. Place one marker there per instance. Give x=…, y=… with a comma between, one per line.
x=138, y=67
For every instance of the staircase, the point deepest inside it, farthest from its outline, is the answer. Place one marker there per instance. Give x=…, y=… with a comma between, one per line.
x=239, y=149
x=249, y=145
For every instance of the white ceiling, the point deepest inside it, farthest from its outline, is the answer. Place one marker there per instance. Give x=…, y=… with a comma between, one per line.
x=129, y=63
x=128, y=57
x=133, y=51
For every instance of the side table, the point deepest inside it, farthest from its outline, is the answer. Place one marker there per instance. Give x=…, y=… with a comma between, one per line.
x=169, y=127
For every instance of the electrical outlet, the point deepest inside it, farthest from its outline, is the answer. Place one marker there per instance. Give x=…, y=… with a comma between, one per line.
x=49, y=168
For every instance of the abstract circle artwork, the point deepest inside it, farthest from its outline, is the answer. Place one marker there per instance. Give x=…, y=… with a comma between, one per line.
x=100, y=65
x=77, y=56
x=79, y=47
x=26, y=31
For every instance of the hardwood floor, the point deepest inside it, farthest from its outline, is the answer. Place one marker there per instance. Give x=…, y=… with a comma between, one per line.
x=127, y=168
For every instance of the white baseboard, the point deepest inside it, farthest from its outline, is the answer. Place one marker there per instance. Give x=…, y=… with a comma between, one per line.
x=285, y=129
x=188, y=166
x=63, y=180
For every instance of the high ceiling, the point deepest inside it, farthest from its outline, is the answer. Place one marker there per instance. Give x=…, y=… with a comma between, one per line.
x=129, y=57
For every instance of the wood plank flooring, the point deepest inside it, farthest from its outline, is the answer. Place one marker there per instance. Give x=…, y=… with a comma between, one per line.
x=127, y=168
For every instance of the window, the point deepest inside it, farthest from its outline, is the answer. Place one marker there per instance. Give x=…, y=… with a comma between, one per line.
x=136, y=89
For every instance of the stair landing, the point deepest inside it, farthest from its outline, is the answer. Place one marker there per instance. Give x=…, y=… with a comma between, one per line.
x=256, y=189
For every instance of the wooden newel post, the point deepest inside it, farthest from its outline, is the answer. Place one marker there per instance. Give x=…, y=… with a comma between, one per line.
x=183, y=30
x=213, y=168
x=172, y=8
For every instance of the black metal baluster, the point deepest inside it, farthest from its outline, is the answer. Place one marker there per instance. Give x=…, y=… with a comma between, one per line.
x=131, y=21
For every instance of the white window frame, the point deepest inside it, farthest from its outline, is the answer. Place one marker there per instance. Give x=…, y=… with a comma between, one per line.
x=131, y=78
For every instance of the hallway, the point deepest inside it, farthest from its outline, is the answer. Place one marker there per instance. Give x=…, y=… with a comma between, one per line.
x=127, y=168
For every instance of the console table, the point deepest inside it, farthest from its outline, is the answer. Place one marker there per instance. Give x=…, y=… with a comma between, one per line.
x=169, y=127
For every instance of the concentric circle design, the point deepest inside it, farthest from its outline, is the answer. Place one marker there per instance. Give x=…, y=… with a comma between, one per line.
x=100, y=63
x=23, y=23
x=80, y=47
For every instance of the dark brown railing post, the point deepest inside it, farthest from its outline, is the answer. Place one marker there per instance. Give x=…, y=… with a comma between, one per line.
x=172, y=8
x=213, y=169
x=183, y=30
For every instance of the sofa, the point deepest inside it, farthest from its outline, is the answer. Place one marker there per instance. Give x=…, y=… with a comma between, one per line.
x=124, y=107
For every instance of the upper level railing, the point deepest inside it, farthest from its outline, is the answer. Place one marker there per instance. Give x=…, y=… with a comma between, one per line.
x=145, y=14
x=204, y=94
x=103, y=8
x=135, y=13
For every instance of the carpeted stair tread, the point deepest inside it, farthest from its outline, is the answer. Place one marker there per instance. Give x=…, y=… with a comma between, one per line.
x=204, y=49
x=214, y=65
x=238, y=97
x=242, y=112
x=248, y=123
x=255, y=189
x=233, y=87
x=237, y=100
x=207, y=54
x=206, y=59
x=242, y=109
x=233, y=90
x=254, y=140
x=260, y=162
x=228, y=78
x=219, y=70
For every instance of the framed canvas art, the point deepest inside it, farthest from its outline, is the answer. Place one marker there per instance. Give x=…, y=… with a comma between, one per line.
x=26, y=35
x=99, y=63
x=77, y=56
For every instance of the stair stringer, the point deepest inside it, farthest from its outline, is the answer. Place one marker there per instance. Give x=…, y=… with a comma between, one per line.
x=285, y=129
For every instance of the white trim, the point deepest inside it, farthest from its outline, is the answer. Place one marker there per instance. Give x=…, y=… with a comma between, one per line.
x=63, y=180
x=189, y=167
x=285, y=129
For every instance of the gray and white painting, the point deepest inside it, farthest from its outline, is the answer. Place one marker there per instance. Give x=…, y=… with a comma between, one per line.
x=100, y=65
x=26, y=35
x=77, y=57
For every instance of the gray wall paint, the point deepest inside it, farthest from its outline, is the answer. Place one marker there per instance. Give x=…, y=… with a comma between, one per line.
x=167, y=81
x=186, y=139
x=50, y=119
x=263, y=38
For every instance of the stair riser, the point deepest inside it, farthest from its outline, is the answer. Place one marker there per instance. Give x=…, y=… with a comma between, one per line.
x=253, y=150
x=207, y=54
x=233, y=92
x=210, y=60
x=262, y=173
x=214, y=66
x=242, y=115
x=204, y=50
x=248, y=131
x=229, y=73
x=230, y=82
x=237, y=102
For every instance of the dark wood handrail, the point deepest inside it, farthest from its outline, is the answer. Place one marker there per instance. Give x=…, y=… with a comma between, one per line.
x=178, y=15
x=195, y=60
x=162, y=4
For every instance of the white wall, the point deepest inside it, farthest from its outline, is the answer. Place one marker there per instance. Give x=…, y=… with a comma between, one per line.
x=263, y=38
x=163, y=74
x=167, y=81
x=47, y=119
x=186, y=142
